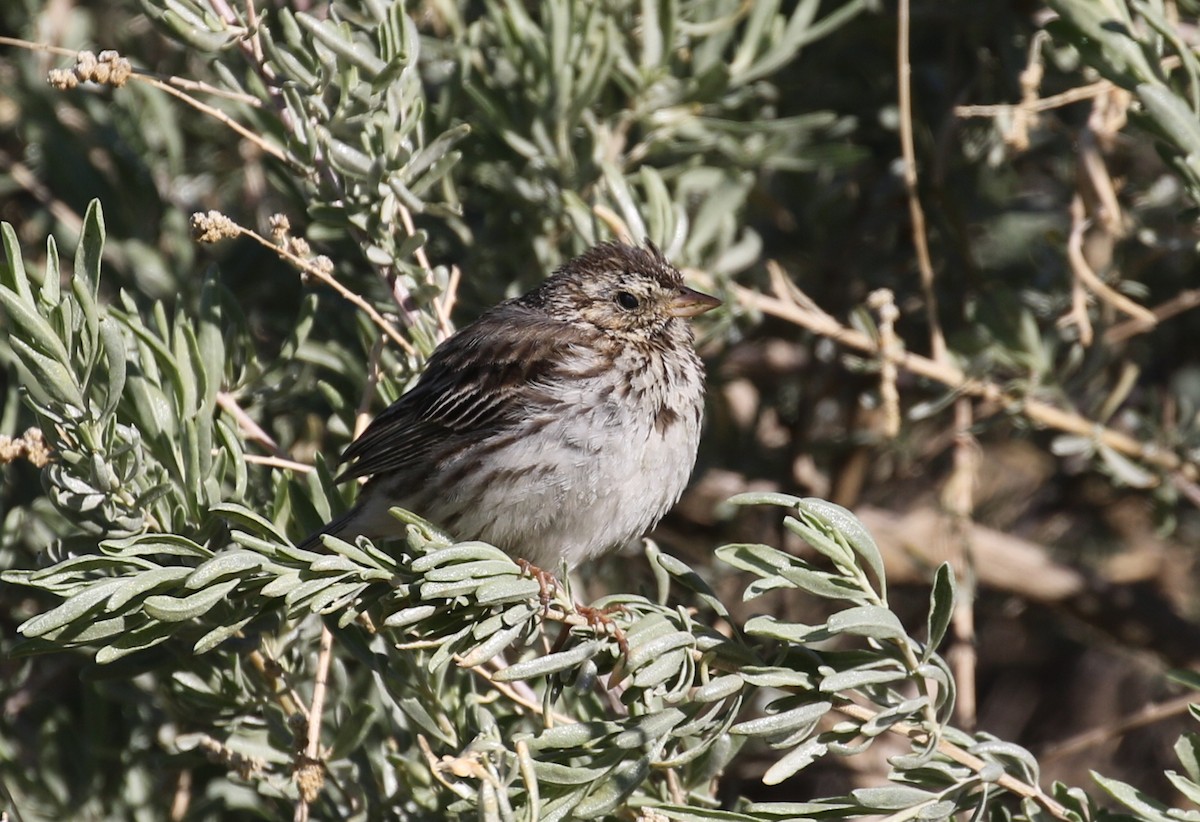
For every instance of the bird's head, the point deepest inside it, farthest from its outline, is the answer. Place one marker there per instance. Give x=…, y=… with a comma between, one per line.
x=628, y=291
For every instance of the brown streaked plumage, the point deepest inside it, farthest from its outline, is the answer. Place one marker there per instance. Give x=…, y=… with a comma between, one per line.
x=558, y=425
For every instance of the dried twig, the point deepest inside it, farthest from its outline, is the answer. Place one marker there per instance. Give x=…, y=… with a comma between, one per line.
x=958, y=494
x=916, y=212
x=278, y=462
x=214, y=226
x=1181, y=302
x=250, y=428
x=962, y=757
x=1043, y=413
x=884, y=303
x=309, y=771
x=1147, y=715
x=1084, y=273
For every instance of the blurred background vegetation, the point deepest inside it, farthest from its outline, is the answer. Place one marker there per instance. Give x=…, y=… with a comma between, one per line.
x=474, y=146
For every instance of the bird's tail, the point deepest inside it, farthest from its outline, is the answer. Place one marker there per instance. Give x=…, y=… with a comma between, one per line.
x=342, y=527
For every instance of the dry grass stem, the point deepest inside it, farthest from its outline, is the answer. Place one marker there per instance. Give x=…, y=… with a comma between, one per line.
x=83, y=71
x=407, y=221
x=1054, y=101
x=444, y=303
x=958, y=494
x=212, y=223
x=309, y=769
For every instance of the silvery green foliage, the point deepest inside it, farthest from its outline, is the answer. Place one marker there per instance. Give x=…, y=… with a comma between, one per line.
x=662, y=113
x=135, y=446
x=195, y=583
x=1127, y=44
x=421, y=724
x=582, y=730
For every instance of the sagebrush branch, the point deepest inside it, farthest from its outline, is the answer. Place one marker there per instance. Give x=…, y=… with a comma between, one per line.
x=792, y=305
x=962, y=757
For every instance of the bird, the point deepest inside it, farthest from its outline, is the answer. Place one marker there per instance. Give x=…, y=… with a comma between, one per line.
x=559, y=425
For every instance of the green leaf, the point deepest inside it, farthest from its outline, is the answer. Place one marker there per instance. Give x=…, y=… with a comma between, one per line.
x=342, y=44
x=551, y=663
x=853, y=531
x=145, y=582
x=765, y=498
x=76, y=608
x=181, y=609
x=219, y=634
x=941, y=608
x=496, y=643
x=1187, y=748
x=1144, y=805
x=91, y=249
x=139, y=639
x=892, y=797
x=796, y=760
x=854, y=678
x=352, y=731
x=14, y=274
x=33, y=327
x=1189, y=789
x=614, y=789
x=115, y=354
x=226, y=563
x=243, y=516
x=867, y=620
x=50, y=378
x=783, y=722
x=1185, y=677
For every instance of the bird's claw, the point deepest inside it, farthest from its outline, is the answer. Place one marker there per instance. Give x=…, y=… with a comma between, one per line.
x=600, y=619
x=547, y=583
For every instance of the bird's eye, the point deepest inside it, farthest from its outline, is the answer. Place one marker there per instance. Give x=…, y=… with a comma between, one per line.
x=627, y=300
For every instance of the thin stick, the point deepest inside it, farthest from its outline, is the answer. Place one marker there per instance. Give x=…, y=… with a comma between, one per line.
x=222, y=118
x=278, y=462
x=320, y=683
x=959, y=489
x=803, y=313
x=915, y=211
x=444, y=304
x=309, y=766
x=329, y=280
x=1083, y=271
x=1140, y=718
x=407, y=221
x=249, y=427
x=1065, y=98
x=1181, y=302
x=30, y=46
x=957, y=754
x=532, y=705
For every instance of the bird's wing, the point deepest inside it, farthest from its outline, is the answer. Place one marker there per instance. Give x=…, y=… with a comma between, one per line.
x=481, y=380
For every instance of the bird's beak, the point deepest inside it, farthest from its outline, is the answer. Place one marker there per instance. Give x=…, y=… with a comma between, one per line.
x=689, y=303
